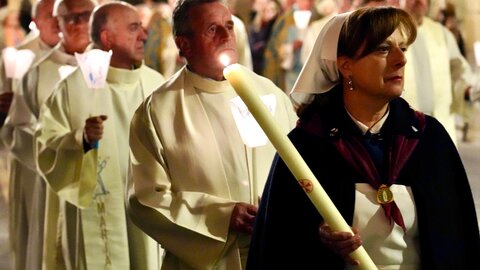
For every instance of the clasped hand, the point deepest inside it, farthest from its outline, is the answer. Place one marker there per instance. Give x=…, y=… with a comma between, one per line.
x=243, y=218
x=94, y=128
x=342, y=243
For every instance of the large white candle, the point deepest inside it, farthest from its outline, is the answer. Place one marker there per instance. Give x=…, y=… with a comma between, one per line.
x=242, y=81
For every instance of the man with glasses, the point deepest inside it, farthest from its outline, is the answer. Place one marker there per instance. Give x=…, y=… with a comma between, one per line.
x=82, y=146
x=37, y=84
x=40, y=40
x=73, y=17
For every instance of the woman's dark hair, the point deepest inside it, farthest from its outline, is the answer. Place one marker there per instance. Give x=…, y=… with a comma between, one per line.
x=366, y=28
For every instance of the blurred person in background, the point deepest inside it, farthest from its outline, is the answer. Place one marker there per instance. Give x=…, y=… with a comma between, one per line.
x=27, y=199
x=266, y=12
x=70, y=18
x=450, y=20
x=12, y=33
x=161, y=53
x=282, y=54
x=82, y=149
x=438, y=79
x=244, y=53
x=328, y=9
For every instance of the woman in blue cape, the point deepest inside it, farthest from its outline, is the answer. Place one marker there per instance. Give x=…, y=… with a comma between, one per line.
x=393, y=172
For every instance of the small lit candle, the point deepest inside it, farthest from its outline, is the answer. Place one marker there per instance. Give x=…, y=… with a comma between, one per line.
x=16, y=62
x=94, y=66
x=242, y=80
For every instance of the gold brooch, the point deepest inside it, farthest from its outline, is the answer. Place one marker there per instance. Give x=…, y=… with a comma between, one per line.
x=384, y=195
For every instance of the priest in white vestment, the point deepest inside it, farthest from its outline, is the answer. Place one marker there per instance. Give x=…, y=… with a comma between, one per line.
x=71, y=18
x=437, y=76
x=26, y=203
x=82, y=147
x=195, y=181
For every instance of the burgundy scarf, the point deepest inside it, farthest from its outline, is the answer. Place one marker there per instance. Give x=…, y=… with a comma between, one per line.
x=357, y=156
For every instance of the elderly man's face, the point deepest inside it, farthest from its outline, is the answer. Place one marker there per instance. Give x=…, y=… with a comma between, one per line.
x=126, y=37
x=46, y=23
x=74, y=26
x=212, y=37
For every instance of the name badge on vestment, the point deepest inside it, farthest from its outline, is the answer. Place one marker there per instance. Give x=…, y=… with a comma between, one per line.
x=250, y=131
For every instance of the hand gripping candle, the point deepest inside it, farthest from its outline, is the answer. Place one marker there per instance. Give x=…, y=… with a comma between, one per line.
x=243, y=81
x=94, y=65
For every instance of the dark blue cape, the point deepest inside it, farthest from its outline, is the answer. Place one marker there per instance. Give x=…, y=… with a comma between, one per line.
x=286, y=230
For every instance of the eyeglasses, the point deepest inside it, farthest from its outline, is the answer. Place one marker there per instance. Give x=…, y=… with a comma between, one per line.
x=76, y=18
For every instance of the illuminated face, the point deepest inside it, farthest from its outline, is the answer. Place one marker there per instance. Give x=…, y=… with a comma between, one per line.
x=380, y=74
x=212, y=37
x=126, y=38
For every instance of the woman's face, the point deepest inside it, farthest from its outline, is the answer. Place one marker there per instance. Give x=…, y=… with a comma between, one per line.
x=380, y=74
x=270, y=11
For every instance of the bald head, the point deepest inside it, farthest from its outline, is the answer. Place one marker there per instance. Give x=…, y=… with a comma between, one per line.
x=104, y=14
x=116, y=26
x=40, y=5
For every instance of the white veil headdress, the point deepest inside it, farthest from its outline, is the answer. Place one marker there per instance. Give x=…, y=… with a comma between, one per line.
x=320, y=73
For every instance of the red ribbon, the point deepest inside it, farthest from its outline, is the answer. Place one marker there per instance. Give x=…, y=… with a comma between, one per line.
x=399, y=152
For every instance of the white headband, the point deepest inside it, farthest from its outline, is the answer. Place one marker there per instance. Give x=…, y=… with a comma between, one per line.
x=320, y=73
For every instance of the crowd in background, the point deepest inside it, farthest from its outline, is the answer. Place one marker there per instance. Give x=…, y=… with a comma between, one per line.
x=281, y=34
x=262, y=19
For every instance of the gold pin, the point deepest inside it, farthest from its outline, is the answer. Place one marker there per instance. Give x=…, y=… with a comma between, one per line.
x=384, y=195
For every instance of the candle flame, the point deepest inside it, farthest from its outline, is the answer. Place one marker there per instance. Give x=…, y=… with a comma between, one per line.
x=224, y=59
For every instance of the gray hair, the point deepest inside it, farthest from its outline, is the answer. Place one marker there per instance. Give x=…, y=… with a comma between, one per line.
x=181, y=24
x=62, y=6
x=99, y=18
